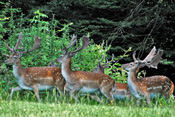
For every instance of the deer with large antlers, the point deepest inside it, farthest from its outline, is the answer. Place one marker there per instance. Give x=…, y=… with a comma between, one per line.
x=148, y=87
x=33, y=78
x=122, y=91
x=86, y=82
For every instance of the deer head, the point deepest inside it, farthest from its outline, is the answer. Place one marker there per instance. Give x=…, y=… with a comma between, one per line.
x=100, y=67
x=16, y=55
x=152, y=60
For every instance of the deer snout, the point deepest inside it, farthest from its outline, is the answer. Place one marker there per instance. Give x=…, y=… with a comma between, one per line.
x=6, y=62
x=59, y=60
x=123, y=66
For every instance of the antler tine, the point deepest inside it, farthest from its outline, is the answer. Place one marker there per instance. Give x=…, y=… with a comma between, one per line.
x=150, y=56
x=102, y=58
x=6, y=54
x=112, y=59
x=133, y=56
x=9, y=47
x=156, y=59
x=36, y=45
x=19, y=42
x=73, y=40
x=86, y=42
x=105, y=65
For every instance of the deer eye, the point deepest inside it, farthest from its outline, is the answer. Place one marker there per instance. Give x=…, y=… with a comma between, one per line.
x=131, y=64
x=15, y=57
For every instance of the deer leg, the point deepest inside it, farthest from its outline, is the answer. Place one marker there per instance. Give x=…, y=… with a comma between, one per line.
x=138, y=97
x=147, y=96
x=138, y=102
x=96, y=98
x=14, y=90
x=108, y=94
x=56, y=95
x=166, y=97
x=61, y=86
x=66, y=90
x=130, y=97
x=35, y=89
x=72, y=92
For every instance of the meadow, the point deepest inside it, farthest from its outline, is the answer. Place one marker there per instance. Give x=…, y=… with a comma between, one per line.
x=24, y=103
x=28, y=106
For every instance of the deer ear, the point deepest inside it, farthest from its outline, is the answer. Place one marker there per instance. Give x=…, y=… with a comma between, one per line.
x=106, y=66
x=72, y=54
x=67, y=55
x=142, y=65
x=20, y=55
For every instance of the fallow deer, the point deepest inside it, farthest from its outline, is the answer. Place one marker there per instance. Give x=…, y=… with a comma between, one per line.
x=86, y=82
x=122, y=90
x=33, y=78
x=152, y=86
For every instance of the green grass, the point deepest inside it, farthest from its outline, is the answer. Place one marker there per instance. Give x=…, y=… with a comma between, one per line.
x=24, y=103
x=27, y=108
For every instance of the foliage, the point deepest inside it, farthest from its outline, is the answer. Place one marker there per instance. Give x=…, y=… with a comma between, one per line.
x=53, y=34
x=139, y=24
x=116, y=25
x=123, y=21
x=50, y=49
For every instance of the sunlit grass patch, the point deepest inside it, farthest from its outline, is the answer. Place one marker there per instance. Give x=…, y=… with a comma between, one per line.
x=25, y=108
x=24, y=103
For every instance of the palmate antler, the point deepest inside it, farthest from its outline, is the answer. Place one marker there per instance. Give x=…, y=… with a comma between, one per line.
x=73, y=40
x=152, y=60
x=19, y=43
x=36, y=45
x=86, y=42
x=156, y=59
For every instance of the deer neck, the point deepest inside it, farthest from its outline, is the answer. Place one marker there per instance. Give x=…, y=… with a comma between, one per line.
x=132, y=79
x=17, y=69
x=66, y=69
x=132, y=83
x=132, y=75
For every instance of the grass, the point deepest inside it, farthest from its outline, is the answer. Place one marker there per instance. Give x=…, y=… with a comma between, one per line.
x=25, y=104
x=25, y=108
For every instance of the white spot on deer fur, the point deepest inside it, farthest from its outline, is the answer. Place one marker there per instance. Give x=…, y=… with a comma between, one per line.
x=158, y=87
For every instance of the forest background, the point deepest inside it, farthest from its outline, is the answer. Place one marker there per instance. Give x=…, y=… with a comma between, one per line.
x=120, y=24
